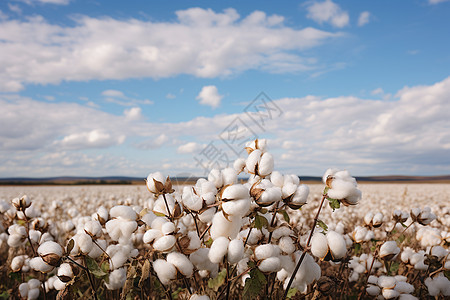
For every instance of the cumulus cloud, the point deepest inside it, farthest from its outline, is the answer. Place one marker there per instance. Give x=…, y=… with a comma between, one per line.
x=118, y=97
x=209, y=95
x=200, y=42
x=437, y=1
x=327, y=12
x=364, y=18
x=57, y=2
x=133, y=114
x=189, y=148
x=408, y=134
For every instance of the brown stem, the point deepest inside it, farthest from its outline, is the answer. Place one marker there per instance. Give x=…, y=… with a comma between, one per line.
x=167, y=207
x=204, y=232
x=316, y=218
x=272, y=222
x=195, y=221
x=368, y=274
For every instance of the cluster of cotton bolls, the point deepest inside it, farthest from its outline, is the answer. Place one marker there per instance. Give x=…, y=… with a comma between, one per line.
x=390, y=287
x=190, y=236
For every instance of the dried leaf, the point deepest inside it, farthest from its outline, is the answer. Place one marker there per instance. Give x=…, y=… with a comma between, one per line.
x=52, y=259
x=168, y=186
x=145, y=273
x=158, y=185
x=70, y=246
x=329, y=181
x=216, y=283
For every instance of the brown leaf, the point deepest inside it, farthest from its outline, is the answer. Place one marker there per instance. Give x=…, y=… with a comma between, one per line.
x=249, y=150
x=64, y=278
x=145, y=272
x=329, y=181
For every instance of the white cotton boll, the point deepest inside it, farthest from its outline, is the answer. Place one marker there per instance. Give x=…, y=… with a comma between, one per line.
x=265, y=251
x=236, y=191
x=277, y=179
x=165, y=270
x=18, y=262
x=207, y=215
x=58, y=284
x=292, y=178
x=84, y=242
x=117, y=279
x=118, y=255
x=229, y=176
x=148, y=218
x=235, y=251
x=389, y=250
x=168, y=228
x=288, y=189
x=23, y=290
x=400, y=278
x=269, y=265
x=218, y=249
x=319, y=245
x=181, y=262
x=368, y=218
x=404, y=287
x=215, y=176
x=340, y=189
x=237, y=207
x=300, y=195
x=151, y=234
x=337, y=245
x=15, y=240
x=194, y=240
x=373, y=290
x=199, y=297
x=377, y=219
x=164, y=243
x=222, y=227
x=93, y=228
x=438, y=251
x=407, y=297
x=97, y=251
x=158, y=223
x=387, y=282
x=190, y=199
x=239, y=165
x=252, y=161
x=372, y=279
x=281, y=231
x=151, y=178
x=265, y=166
x=65, y=270
x=406, y=255
x=50, y=248
x=390, y=294
x=286, y=244
x=102, y=214
x=124, y=212
x=270, y=195
x=37, y=264
x=35, y=236
x=253, y=239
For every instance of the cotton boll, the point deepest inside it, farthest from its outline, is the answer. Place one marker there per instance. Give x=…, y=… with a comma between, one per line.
x=38, y=264
x=253, y=160
x=218, y=249
x=235, y=251
x=117, y=279
x=265, y=166
x=207, y=215
x=215, y=176
x=336, y=243
x=229, y=176
x=191, y=200
x=265, y=251
x=286, y=245
x=165, y=270
x=151, y=234
x=222, y=227
x=148, y=218
x=124, y=212
x=93, y=228
x=373, y=290
x=404, y=287
x=237, y=208
x=58, y=284
x=277, y=179
x=300, y=196
x=319, y=245
x=389, y=250
x=97, y=249
x=269, y=265
x=35, y=236
x=239, y=165
x=289, y=189
x=235, y=191
x=65, y=272
x=18, y=262
x=151, y=178
x=253, y=239
x=168, y=228
x=390, y=294
x=164, y=243
x=269, y=196
x=181, y=262
x=387, y=282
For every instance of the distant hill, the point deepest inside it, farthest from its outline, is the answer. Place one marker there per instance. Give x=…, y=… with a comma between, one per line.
x=72, y=180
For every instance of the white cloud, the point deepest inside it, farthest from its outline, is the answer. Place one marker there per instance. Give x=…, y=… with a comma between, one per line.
x=209, y=95
x=364, y=18
x=200, y=42
x=327, y=11
x=118, y=97
x=408, y=135
x=15, y=8
x=170, y=96
x=437, y=1
x=133, y=114
x=57, y=2
x=189, y=148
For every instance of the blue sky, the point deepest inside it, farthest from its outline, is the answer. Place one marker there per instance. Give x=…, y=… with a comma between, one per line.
x=102, y=88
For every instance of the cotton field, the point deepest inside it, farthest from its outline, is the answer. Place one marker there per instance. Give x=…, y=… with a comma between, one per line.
x=269, y=237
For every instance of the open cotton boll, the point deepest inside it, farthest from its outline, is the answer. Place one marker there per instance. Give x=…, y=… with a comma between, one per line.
x=93, y=228
x=235, y=191
x=253, y=239
x=300, y=196
x=168, y=228
x=151, y=178
x=239, y=165
x=222, y=227
x=50, y=248
x=38, y=264
x=164, y=243
x=404, y=287
x=270, y=195
x=118, y=255
x=252, y=161
x=269, y=265
x=200, y=259
x=190, y=199
x=265, y=165
x=319, y=245
x=390, y=294
x=151, y=234
x=207, y=215
x=235, y=251
x=387, y=282
x=181, y=262
x=165, y=270
x=265, y=251
x=215, y=176
x=337, y=244
x=229, y=176
x=389, y=250
x=286, y=244
x=373, y=290
x=199, y=297
x=97, y=249
x=124, y=212
x=148, y=218
x=277, y=179
x=218, y=249
x=237, y=208
x=117, y=279
x=65, y=272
